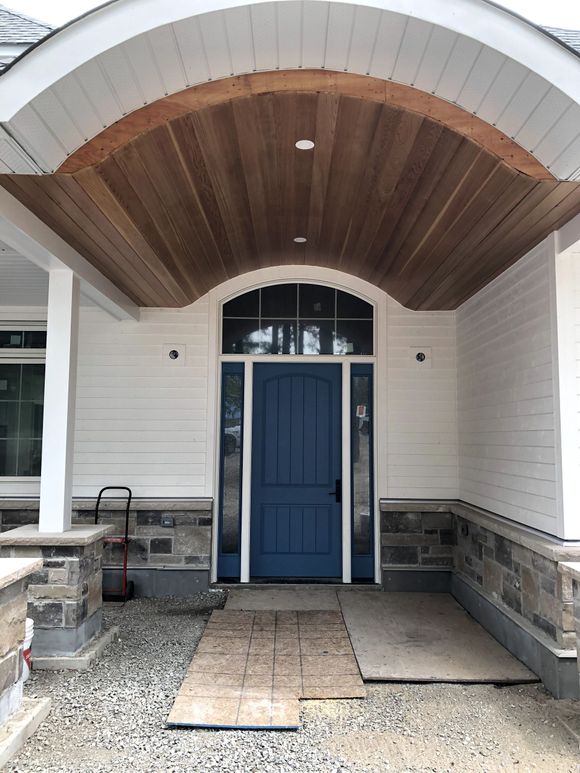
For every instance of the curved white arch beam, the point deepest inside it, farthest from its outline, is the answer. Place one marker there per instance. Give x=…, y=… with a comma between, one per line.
x=133, y=52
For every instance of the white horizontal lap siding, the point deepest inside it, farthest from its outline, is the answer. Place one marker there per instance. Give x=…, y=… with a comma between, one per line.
x=506, y=405
x=421, y=415
x=141, y=418
x=21, y=282
x=576, y=269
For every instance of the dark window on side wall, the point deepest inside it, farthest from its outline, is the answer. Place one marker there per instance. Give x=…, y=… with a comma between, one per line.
x=21, y=401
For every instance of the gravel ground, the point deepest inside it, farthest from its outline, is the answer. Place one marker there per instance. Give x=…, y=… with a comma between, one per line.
x=112, y=717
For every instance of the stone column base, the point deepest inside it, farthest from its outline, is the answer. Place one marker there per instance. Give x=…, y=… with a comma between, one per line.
x=65, y=595
x=14, y=574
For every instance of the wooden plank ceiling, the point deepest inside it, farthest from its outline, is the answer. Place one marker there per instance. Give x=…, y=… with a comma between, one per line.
x=387, y=194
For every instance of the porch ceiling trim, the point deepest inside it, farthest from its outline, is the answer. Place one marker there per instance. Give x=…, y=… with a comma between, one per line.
x=133, y=52
x=306, y=81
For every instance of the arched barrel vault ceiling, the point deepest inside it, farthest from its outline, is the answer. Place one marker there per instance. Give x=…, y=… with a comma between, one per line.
x=387, y=194
x=320, y=81
x=134, y=52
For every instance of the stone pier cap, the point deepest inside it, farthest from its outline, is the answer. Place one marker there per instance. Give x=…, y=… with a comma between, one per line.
x=78, y=534
x=14, y=569
x=572, y=569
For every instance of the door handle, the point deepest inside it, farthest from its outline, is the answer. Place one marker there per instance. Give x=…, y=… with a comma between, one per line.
x=337, y=491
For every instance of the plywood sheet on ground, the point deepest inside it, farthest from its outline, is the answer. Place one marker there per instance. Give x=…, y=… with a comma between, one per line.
x=300, y=597
x=252, y=667
x=424, y=637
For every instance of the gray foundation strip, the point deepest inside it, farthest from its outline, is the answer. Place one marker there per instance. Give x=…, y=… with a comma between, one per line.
x=159, y=582
x=66, y=641
x=556, y=668
x=417, y=580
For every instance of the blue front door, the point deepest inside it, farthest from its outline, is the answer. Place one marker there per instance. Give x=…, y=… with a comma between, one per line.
x=296, y=468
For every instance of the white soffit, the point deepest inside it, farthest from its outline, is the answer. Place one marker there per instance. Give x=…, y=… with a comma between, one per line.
x=133, y=52
x=23, y=282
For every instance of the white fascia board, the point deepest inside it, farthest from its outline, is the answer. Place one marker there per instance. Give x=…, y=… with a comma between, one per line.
x=15, y=157
x=120, y=21
x=29, y=236
x=12, y=50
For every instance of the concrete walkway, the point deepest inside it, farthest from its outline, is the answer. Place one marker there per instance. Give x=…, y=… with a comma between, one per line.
x=290, y=597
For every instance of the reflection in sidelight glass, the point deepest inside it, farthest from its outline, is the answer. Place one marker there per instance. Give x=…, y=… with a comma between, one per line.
x=361, y=437
x=232, y=418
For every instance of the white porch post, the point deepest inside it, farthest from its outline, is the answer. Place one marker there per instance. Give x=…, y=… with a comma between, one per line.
x=59, y=401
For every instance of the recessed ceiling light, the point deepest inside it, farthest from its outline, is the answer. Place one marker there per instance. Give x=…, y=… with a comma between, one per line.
x=299, y=239
x=304, y=144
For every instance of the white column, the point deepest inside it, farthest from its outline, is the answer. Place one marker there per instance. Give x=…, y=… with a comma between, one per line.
x=59, y=401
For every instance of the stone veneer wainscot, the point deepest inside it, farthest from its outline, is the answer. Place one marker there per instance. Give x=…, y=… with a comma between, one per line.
x=15, y=574
x=65, y=594
x=489, y=563
x=163, y=560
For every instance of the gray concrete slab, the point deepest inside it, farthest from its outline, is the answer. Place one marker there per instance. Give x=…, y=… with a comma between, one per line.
x=424, y=637
x=296, y=597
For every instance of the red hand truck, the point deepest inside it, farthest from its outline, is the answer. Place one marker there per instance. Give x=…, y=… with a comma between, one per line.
x=127, y=588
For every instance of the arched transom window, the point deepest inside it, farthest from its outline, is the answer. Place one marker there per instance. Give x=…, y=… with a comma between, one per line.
x=297, y=319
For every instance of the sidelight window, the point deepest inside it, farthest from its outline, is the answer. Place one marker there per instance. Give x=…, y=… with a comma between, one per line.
x=361, y=438
x=232, y=418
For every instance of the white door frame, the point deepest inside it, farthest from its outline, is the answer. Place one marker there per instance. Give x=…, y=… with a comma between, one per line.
x=285, y=275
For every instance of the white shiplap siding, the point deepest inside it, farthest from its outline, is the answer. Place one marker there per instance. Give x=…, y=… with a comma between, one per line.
x=141, y=417
x=21, y=282
x=421, y=416
x=576, y=270
x=506, y=404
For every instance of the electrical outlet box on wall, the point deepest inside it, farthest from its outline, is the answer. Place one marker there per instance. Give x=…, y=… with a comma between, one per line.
x=174, y=354
x=421, y=357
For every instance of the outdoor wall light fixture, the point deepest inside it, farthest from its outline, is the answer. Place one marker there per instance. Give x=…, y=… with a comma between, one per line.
x=420, y=356
x=173, y=354
x=304, y=144
x=300, y=239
